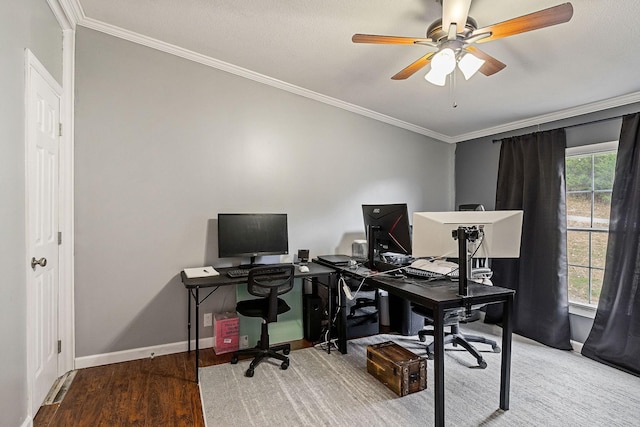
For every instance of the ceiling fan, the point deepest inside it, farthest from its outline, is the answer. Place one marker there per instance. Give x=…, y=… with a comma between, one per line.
x=454, y=36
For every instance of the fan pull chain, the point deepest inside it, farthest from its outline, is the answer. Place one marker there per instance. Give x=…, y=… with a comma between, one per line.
x=452, y=89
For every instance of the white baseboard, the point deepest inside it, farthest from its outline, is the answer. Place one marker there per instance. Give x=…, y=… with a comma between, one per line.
x=577, y=346
x=28, y=422
x=138, y=353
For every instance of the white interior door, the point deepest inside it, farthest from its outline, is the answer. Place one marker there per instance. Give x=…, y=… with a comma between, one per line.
x=42, y=141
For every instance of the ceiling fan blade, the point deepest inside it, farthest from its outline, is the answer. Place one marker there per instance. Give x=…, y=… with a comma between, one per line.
x=491, y=65
x=411, y=69
x=455, y=11
x=533, y=21
x=372, y=38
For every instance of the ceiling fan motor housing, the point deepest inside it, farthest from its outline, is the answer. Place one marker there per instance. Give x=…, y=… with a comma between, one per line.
x=436, y=33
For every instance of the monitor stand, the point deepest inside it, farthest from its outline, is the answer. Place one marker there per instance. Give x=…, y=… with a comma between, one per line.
x=464, y=235
x=252, y=263
x=372, y=242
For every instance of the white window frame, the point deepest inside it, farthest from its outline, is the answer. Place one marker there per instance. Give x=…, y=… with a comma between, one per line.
x=577, y=308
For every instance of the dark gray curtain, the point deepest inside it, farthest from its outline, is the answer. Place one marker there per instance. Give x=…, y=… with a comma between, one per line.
x=615, y=336
x=531, y=178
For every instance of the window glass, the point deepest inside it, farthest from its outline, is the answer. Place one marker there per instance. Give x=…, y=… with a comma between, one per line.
x=604, y=166
x=579, y=209
x=579, y=284
x=578, y=173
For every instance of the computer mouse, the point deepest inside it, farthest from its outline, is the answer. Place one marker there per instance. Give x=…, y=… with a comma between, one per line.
x=303, y=269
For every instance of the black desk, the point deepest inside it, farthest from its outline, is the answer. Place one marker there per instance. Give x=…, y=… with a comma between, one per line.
x=442, y=296
x=193, y=286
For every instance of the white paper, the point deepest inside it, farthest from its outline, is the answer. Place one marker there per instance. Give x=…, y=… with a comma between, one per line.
x=207, y=271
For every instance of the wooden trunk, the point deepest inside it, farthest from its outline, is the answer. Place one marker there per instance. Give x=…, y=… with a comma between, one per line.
x=397, y=368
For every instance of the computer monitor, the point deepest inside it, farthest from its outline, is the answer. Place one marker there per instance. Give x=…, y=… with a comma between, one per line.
x=492, y=234
x=252, y=235
x=387, y=229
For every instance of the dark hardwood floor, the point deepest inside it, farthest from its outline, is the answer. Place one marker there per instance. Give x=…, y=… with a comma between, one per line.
x=146, y=392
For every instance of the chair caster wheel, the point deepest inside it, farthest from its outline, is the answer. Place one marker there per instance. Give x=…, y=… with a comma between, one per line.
x=286, y=351
x=234, y=360
x=496, y=349
x=482, y=364
x=429, y=356
x=422, y=338
x=284, y=365
x=249, y=373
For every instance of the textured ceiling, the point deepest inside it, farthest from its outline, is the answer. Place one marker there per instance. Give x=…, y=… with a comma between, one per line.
x=584, y=65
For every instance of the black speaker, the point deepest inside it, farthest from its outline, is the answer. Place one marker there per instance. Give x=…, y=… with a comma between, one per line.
x=312, y=316
x=303, y=255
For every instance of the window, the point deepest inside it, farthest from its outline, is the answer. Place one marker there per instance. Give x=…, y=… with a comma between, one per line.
x=590, y=171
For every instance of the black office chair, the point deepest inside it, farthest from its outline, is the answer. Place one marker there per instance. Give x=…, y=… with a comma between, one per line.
x=452, y=320
x=266, y=282
x=363, y=302
x=363, y=317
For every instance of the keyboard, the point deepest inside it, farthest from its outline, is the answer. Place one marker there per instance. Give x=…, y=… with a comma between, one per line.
x=244, y=272
x=241, y=272
x=425, y=274
x=428, y=269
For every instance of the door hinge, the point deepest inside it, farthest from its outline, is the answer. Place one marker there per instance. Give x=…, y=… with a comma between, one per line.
x=59, y=238
x=59, y=129
x=59, y=346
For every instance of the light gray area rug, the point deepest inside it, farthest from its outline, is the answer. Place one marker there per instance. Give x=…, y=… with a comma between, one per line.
x=549, y=387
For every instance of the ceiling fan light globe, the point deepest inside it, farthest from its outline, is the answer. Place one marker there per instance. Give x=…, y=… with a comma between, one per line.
x=436, y=78
x=444, y=62
x=469, y=65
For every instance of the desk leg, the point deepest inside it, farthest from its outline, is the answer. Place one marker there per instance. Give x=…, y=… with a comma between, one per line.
x=197, y=330
x=330, y=309
x=505, y=368
x=342, y=316
x=438, y=365
x=189, y=320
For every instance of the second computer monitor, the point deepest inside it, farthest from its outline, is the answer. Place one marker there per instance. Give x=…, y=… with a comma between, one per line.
x=387, y=228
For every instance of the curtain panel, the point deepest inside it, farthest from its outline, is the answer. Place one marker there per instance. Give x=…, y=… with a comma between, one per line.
x=531, y=178
x=615, y=336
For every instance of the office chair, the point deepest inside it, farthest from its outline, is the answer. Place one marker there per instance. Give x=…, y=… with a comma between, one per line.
x=266, y=282
x=455, y=317
x=452, y=320
x=363, y=317
x=370, y=299
x=364, y=302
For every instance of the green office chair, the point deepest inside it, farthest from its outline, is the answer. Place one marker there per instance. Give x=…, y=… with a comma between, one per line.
x=266, y=282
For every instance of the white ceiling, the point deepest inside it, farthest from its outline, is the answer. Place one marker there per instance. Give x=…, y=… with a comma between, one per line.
x=304, y=46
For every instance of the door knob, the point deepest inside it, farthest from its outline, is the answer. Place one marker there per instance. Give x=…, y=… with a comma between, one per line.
x=41, y=262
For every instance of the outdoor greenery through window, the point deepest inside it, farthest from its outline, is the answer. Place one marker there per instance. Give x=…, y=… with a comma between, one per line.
x=589, y=178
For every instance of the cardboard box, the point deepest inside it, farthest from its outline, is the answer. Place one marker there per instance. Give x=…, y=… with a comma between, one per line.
x=396, y=367
x=225, y=332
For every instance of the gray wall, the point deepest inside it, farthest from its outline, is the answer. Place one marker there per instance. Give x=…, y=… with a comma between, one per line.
x=476, y=167
x=163, y=144
x=24, y=24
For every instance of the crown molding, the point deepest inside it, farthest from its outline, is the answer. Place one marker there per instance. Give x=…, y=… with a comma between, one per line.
x=68, y=13
x=74, y=10
x=593, y=107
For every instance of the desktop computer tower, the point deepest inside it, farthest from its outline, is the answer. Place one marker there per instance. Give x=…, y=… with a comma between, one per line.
x=401, y=318
x=312, y=317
